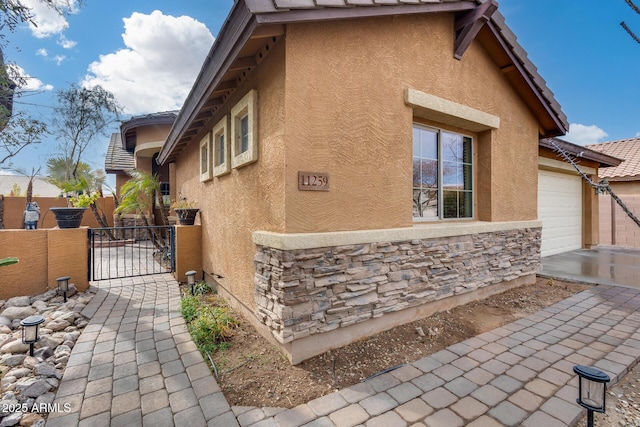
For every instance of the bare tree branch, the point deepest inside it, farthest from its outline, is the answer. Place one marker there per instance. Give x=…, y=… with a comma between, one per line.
x=629, y=31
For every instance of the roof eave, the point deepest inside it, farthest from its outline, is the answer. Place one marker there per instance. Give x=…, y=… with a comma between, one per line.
x=604, y=160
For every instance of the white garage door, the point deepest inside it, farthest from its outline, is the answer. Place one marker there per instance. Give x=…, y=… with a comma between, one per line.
x=560, y=209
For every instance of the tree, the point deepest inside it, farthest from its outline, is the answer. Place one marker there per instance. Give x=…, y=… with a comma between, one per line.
x=636, y=9
x=138, y=195
x=80, y=115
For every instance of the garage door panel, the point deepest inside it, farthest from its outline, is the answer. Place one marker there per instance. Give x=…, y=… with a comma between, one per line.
x=560, y=209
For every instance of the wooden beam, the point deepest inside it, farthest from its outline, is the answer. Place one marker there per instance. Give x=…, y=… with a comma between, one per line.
x=211, y=104
x=242, y=63
x=468, y=25
x=507, y=69
x=267, y=31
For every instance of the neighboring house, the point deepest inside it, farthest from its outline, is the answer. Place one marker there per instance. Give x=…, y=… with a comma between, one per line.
x=567, y=204
x=41, y=187
x=137, y=146
x=360, y=167
x=616, y=228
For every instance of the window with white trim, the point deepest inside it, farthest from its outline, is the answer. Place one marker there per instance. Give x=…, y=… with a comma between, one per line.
x=221, y=162
x=205, y=158
x=244, y=130
x=442, y=174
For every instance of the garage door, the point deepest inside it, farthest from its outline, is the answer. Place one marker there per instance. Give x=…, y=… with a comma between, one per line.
x=560, y=209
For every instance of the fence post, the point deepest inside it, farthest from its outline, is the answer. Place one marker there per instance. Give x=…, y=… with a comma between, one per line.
x=68, y=256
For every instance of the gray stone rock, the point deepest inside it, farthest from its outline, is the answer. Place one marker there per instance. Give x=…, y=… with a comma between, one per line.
x=19, y=372
x=5, y=329
x=13, y=313
x=13, y=360
x=46, y=296
x=17, y=302
x=50, y=341
x=44, y=369
x=46, y=398
x=40, y=305
x=11, y=420
x=30, y=362
x=43, y=353
x=62, y=350
x=5, y=321
x=57, y=325
x=35, y=388
x=15, y=346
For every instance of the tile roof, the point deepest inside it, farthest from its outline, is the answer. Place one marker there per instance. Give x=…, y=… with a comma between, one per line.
x=118, y=159
x=627, y=149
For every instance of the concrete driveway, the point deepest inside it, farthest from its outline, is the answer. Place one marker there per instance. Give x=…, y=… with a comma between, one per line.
x=604, y=265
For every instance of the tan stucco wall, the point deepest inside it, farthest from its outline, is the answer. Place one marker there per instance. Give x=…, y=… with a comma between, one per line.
x=627, y=233
x=44, y=256
x=247, y=199
x=14, y=210
x=155, y=133
x=345, y=115
x=188, y=251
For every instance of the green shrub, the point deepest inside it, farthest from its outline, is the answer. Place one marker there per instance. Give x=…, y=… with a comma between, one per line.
x=189, y=308
x=211, y=327
x=201, y=288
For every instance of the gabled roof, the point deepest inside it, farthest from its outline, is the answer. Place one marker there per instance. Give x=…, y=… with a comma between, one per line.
x=118, y=159
x=627, y=149
x=253, y=25
x=581, y=152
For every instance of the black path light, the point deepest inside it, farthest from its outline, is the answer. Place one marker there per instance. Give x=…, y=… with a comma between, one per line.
x=592, y=388
x=30, y=332
x=63, y=286
x=191, y=280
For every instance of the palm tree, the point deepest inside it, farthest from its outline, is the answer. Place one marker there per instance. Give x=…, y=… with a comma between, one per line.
x=31, y=175
x=139, y=194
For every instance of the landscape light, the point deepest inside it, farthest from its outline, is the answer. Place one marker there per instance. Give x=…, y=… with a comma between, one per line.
x=592, y=388
x=30, y=331
x=191, y=280
x=63, y=286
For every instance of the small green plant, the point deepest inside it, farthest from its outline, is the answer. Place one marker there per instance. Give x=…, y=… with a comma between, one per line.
x=8, y=261
x=189, y=308
x=201, y=288
x=211, y=328
x=184, y=204
x=84, y=200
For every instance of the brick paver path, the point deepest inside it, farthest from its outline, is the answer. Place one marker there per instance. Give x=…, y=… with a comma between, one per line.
x=135, y=364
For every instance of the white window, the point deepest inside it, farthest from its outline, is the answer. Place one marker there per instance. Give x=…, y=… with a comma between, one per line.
x=221, y=157
x=205, y=158
x=244, y=130
x=442, y=174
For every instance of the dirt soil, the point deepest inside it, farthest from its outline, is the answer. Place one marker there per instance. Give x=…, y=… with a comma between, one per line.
x=252, y=372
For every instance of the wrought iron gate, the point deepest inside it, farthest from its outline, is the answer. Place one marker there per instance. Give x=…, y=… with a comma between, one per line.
x=117, y=252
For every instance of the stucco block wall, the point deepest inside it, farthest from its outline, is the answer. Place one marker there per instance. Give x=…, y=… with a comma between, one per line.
x=188, y=251
x=44, y=256
x=627, y=233
x=14, y=209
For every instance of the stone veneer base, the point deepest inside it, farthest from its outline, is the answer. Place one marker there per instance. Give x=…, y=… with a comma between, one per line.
x=315, y=299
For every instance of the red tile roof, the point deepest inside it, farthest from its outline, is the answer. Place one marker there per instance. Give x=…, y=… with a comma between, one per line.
x=627, y=149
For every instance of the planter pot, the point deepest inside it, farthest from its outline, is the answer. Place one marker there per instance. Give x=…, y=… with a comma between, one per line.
x=68, y=217
x=186, y=216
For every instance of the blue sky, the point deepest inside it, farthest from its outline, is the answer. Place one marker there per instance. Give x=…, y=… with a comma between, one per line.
x=149, y=52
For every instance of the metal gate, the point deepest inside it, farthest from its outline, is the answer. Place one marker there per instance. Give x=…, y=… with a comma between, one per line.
x=117, y=252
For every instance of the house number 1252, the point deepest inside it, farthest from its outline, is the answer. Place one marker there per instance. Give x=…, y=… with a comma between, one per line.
x=313, y=181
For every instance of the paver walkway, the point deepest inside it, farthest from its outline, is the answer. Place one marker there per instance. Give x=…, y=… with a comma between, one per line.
x=135, y=364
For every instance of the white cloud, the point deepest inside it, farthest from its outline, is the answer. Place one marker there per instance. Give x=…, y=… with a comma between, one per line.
x=18, y=74
x=59, y=59
x=584, y=135
x=156, y=69
x=48, y=20
x=66, y=43
x=42, y=52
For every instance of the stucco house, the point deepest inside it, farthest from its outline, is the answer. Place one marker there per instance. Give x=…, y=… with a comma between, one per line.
x=616, y=228
x=360, y=167
x=137, y=145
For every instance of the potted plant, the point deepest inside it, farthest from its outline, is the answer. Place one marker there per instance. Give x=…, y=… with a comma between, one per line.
x=186, y=211
x=71, y=216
